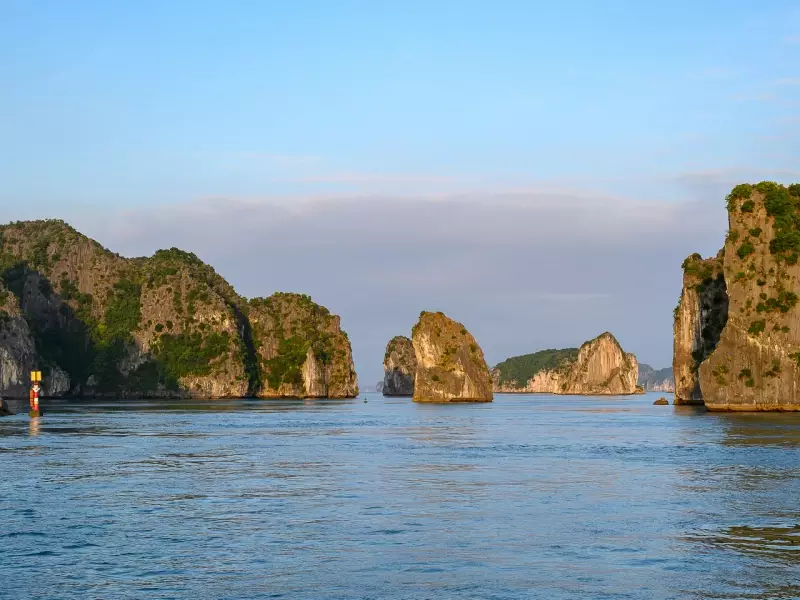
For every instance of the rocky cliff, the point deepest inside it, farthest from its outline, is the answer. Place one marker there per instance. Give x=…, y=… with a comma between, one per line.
x=399, y=367
x=301, y=348
x=754, y=362
x=17, y=350
x=653, y=380
x=108, y=326
x=450, y=364
x=699, y=318
x=598, y=367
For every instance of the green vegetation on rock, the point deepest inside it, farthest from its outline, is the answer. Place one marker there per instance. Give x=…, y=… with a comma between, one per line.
x=518, y=370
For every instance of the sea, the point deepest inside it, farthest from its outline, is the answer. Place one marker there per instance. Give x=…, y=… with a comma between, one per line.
x=531, y=496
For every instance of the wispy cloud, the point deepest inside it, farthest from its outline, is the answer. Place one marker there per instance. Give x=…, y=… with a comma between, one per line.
x=387, y=178
x=788, y=81
x=792, y=39
x=522, y=270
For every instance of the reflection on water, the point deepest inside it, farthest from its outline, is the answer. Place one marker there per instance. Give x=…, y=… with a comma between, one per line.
x=528, y=497
x=781, y=544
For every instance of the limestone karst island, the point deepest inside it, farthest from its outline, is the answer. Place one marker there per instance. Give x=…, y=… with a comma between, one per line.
x=737, y=324
x=441, y=362
x=100, y=325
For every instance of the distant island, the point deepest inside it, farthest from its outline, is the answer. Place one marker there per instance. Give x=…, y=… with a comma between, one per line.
x=100, y=325
x=737, y=324
x=656, y=380
x=598, y=367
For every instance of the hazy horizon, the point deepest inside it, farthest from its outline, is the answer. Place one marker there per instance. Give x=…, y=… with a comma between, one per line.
x=535, y=172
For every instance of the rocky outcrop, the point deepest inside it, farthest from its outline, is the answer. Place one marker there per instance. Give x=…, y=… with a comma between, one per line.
x=301, y=348
x=754, y=363
x=17, y=349
x=699, y=318
x=107, y=326
x=399, y=367
x=450, y=364
x=652, y=380
x=598, y=367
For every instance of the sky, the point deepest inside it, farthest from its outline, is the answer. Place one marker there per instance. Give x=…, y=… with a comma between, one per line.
x=535, y=170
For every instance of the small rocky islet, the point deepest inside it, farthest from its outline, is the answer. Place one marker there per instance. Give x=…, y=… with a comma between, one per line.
x=441, y=362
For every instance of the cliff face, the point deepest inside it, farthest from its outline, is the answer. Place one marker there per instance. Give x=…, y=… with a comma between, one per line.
x=17, y=351
x=755, y=363
x=302, y=350
x=107, y=326
x=699, y=319
x=598, y=367
x=399, y=367
x=450, y=364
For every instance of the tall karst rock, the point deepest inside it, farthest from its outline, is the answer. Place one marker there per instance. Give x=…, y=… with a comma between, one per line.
x=598, y=367
x=754, y=362
x=399, y=367
x=699, y=318
x=17, y=350
x=108, y=326
x=302, y=350
x=450, y=364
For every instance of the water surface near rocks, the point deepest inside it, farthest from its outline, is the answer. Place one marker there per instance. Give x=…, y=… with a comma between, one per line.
x=527, y=497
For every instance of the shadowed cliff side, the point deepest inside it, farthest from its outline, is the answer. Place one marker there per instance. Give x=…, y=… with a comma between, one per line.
x=699, y=318
x=399, y=367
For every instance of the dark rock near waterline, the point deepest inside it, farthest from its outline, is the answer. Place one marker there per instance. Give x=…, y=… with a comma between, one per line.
x=399, y=367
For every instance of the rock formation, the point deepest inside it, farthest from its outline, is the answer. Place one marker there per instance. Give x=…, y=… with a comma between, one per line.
x=399, y=367
x=5, y=410
x=652, y=380
x=17, y=349
x=108, y=326
x=598, y=367
x=699, y=318
x=450, y=364
x=742, y=352
x=301, y=348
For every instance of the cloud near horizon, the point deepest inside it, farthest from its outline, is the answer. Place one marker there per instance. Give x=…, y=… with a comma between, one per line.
x=523, y=271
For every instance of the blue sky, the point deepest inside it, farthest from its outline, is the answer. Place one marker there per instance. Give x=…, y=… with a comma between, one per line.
x=142, y=107
x=146, y=102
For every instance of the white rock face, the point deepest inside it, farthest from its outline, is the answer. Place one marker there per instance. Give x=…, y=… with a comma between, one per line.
x=600, y=368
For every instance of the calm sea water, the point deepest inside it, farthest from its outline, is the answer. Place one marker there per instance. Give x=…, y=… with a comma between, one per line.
x=528, y=497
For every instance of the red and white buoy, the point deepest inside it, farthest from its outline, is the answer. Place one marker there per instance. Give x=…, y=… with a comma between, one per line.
x=36, y=378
